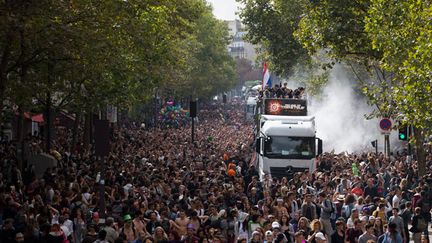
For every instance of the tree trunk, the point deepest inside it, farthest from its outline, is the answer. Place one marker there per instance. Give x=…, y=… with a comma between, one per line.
x=2, y=91
x=20, y=138
x=76, y=129
x=48, y=124
x=420, y=151
x=3, y=68
x=87, y=130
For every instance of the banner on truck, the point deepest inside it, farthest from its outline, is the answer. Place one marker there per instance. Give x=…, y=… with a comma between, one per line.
x=285, y=107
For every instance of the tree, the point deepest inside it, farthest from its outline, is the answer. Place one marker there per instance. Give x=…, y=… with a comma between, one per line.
x=83, y=55
x=208, y=69
x=403, y=33
x=271, y=24
x=246, y=71
x=338, y=29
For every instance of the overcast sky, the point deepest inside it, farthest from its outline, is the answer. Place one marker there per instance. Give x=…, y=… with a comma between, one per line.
x=225, y=9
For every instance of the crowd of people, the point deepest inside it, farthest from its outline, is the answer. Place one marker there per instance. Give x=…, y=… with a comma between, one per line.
x=160, y=187
x=282, y=91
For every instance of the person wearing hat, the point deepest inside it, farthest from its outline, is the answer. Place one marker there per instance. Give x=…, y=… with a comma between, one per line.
x=277, y=234
x=371, y=219
x=280, y=208
x=339, y=203
x=128, y=230
x=256, y=237
x=268, y=236
x=320, y=238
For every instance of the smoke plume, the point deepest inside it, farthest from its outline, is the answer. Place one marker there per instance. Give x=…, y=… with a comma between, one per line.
x=340, y=116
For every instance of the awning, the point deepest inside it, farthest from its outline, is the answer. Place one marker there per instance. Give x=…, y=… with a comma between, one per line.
x=38, y=118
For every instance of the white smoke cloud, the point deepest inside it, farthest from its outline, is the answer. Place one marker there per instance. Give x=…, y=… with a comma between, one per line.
x=340, y=117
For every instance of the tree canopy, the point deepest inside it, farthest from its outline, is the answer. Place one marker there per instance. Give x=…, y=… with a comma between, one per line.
x=86, y=54
x=402, y=31
x=385, y=43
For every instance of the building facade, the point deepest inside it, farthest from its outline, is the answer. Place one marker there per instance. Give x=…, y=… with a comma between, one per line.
x=238, y=47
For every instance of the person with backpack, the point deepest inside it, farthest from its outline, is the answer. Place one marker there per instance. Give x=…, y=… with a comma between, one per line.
x=419, y=224
x=327, y=211
x=397, y=219
x=308, y=209
x=424, y=204
x=348, y=206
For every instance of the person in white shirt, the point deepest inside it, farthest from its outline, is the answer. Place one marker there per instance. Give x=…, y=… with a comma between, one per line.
x=397, y=198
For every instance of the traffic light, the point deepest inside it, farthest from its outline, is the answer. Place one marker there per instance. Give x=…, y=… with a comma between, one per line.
x=403, y=132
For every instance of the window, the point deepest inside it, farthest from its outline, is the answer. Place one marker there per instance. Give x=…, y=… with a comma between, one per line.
x=289, y=147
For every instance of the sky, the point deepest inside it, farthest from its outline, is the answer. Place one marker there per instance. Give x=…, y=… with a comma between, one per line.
x=225, y=9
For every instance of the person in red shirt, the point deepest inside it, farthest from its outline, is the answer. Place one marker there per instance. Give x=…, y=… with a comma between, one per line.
x=357, y=190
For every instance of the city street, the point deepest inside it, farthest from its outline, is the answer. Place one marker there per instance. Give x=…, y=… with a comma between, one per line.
x=210, y=121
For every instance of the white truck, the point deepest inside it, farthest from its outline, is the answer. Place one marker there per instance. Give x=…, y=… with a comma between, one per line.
x=286, y=141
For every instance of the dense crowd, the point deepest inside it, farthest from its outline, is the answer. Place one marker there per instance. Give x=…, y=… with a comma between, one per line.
x=159, y=187
x=282, y=91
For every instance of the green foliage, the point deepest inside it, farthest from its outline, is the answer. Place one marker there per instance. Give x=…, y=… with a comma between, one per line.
x=208, y=69
x=338, y=27
x=85, y=54
x=402, y=31
x=271, y=24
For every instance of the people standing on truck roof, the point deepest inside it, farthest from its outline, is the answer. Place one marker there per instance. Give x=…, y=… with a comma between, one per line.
x=282, y=92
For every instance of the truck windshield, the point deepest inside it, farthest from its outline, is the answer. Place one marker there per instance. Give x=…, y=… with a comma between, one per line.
x=289, y=147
